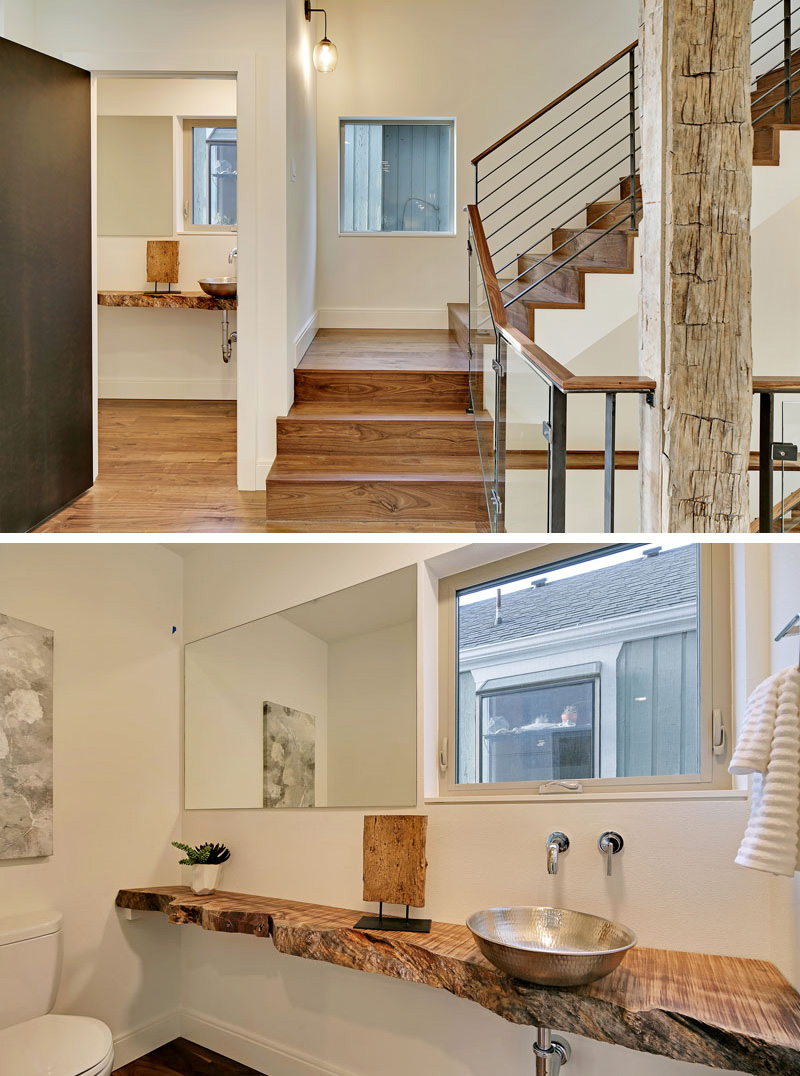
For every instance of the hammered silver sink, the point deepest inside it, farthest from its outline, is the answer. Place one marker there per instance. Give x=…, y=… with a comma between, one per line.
x=550, y=946
x=221, y=287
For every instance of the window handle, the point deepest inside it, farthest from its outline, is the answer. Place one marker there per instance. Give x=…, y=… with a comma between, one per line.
x=718, y=737
x=186, y=210
x=551, y=787
x=443, y=752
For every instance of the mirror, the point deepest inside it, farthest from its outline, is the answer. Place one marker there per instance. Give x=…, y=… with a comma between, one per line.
x=135, y=175
x=315, y=706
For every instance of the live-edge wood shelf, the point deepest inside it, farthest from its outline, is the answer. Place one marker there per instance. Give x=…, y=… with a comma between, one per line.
x=723, y=1012
x=187, y=300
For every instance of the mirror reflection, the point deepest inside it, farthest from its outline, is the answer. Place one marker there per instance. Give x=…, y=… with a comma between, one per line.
x=314, y=706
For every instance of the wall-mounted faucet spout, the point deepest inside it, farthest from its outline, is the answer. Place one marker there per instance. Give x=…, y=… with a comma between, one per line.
x=233, y=254
x=556, y=842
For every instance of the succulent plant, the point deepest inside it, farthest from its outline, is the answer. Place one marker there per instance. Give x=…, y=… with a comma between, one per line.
x=207, y=854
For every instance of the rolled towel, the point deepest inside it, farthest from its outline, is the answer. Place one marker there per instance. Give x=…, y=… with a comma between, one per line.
x=769, y=748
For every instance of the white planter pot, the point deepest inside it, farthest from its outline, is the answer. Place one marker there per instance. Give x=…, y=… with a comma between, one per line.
x=205, y=879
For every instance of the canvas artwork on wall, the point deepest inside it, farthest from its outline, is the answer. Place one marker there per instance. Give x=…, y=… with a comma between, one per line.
x=289, y=756
x=26, y=740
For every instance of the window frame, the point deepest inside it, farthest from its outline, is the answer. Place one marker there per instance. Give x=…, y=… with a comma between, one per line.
x=186, y=226
x=715, y=646
x=409, y=121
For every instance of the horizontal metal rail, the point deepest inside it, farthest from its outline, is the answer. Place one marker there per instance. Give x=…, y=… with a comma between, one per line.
x=589, y=228
x=577, y=212
x=784, y=100
x=556, y=167
x=543, y=111
x=557, y=145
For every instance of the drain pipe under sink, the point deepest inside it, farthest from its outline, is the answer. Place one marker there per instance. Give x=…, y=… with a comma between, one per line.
x=227, y=341
x=551, y=1053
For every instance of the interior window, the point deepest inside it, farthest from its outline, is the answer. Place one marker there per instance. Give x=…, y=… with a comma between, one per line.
x=586, y=669
x=396, y=176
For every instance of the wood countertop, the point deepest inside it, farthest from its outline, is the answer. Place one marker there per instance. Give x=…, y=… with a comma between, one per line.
x=723, y=1012
x=187, y=300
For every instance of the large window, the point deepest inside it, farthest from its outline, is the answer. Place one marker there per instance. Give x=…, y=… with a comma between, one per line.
x=396, y=177
x=210, y=171
x=598, y=668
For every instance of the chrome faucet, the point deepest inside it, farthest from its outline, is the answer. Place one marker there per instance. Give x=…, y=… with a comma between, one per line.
x=556, y=842
x=233, y=254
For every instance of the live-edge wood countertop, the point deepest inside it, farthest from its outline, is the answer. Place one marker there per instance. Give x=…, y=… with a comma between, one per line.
x=187, y=300
x=723, y=1012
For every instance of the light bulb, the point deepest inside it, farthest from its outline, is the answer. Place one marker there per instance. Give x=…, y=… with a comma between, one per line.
x=325, y=56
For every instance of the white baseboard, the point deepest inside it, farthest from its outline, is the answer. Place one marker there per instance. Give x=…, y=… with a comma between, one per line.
x=259, y=1053
x=302, y=341
x=375, y=318
x=148, y=1037
x=135, y=388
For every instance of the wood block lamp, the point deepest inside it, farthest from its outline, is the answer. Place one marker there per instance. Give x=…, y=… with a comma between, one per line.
x=394, y=870
x=163, y=260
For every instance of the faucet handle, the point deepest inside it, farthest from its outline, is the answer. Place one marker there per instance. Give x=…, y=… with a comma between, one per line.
x=609, y=844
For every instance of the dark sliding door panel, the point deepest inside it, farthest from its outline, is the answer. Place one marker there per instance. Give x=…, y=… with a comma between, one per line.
x=45, y=286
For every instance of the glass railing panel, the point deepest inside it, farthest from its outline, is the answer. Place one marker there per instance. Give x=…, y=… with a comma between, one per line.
x=524, y=489
x=482, y=379
x=786, y=477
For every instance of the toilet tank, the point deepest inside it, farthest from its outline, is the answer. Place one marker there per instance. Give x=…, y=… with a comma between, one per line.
x=30, y=966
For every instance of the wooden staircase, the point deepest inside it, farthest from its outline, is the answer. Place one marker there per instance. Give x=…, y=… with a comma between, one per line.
x=379, y=438
x=565, y=289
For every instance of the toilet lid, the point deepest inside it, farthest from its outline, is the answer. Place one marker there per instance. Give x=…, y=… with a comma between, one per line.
x=54, y=1046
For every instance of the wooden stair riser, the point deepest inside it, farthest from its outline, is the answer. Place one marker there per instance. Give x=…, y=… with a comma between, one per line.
x=625, y=186
x=614, y=251
x=564, y=285
x=606, y=214
x=377, y=436
x=435, y=389
x=375, y=501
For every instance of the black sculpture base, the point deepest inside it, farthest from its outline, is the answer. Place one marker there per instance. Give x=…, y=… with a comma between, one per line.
x=393, y=922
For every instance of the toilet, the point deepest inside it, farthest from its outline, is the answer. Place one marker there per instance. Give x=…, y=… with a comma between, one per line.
x=34, y=1041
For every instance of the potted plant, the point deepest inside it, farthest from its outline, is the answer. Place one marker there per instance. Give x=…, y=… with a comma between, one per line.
x=206, y=861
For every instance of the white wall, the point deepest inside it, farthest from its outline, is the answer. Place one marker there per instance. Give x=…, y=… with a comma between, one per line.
x=164, y=354
x=444, y=59
x=251, y=40
x=301, y=197
x=676, y=885
x=116, y=721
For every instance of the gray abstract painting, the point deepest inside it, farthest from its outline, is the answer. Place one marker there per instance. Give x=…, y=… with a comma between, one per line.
x=26, y=740
x=289, y=756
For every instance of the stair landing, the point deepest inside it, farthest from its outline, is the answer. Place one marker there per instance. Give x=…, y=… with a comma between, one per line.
x=379, y=437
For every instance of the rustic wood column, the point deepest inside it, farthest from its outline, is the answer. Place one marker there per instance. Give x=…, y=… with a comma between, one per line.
x=697, y=156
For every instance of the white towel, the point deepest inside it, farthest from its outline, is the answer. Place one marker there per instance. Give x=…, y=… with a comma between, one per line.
x=769, y=748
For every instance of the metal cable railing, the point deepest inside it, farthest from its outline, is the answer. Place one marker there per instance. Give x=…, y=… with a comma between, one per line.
x=576, y=155
x=778, y=63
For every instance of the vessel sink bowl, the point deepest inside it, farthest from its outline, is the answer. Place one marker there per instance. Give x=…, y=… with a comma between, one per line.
x=550, y=946
x=221, y=287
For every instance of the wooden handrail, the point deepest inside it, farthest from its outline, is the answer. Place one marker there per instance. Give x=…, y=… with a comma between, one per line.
x=558, y=100
x=549, y=367
x=789, y=383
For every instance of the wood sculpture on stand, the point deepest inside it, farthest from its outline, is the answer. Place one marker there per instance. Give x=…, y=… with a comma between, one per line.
x=394, y=869
x=163, y=259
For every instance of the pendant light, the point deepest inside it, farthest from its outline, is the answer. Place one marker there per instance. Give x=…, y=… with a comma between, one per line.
x=325, y=52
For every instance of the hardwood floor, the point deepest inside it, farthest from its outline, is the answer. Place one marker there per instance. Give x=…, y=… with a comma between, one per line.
x=170, y=467
x=165, y=466
x=184, y=1058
